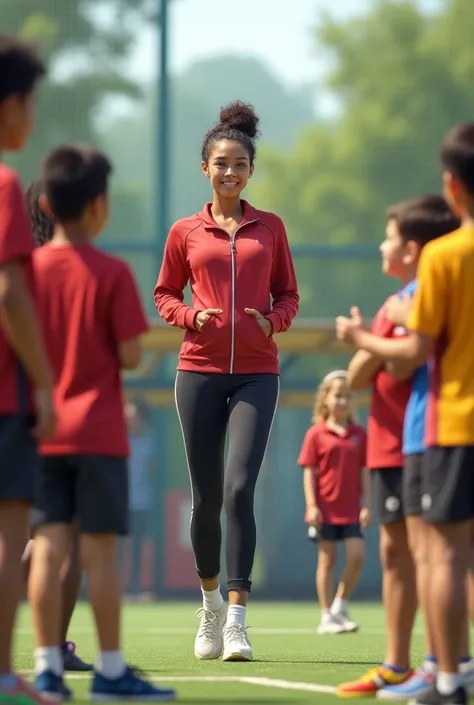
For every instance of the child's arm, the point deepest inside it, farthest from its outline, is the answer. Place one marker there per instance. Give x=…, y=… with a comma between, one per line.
x=127, y=318
x=130, y=353
x=362, y=368
x=366, y=511
x=313, y=513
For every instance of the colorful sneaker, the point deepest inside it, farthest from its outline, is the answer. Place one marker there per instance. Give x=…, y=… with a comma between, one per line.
x=209, y=641
x=53, y=687
x=129, y=687
x=21, y=693
x=467, y=670
x=412, y=688
x=372, y=681
x=237, y=646
x=432, y=696
x=330, y=624
x=71, y=661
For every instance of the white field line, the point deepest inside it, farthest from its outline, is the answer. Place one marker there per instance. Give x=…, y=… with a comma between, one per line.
x=249, y=680
x=170, y=631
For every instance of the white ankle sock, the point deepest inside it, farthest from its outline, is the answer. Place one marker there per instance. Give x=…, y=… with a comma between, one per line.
x=212, y=599
x=447, y=683
x=236, y=615
x=325, y=615
x=338, y=606
x=111, y=664
x=48, y=658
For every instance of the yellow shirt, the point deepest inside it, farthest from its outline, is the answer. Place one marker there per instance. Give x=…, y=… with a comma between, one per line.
x=443, y=309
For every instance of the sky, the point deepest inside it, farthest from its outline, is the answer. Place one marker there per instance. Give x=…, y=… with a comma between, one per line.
x=277, y=31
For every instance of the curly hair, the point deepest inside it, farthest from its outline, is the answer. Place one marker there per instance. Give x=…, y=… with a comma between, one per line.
x=237, y=122
x=320, y=411
x=42, y=226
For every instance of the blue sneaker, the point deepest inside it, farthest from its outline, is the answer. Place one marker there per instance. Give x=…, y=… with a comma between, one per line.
x=53, y=687
x=414, y=686
x=129, y=687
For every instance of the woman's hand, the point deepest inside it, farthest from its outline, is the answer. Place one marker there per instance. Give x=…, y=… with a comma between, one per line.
x=263, y=322
x=203, y=317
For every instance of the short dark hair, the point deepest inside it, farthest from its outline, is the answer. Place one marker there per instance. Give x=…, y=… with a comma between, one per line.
x=20, y=67
x=237, y=122
x=42, y=226
x=423, y=219
x=72, y=176
x=457, y=153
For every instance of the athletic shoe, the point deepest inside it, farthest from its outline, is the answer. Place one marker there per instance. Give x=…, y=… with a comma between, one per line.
x=412, y=688
x=21, y=693
x=372, y=681
x=53, y=687
x=331, y=624
x=237, y=646
x=348, y=624
x=209, y=641
x=128, y=688
x=434, y=697
x=71, y=661
x=467, y=670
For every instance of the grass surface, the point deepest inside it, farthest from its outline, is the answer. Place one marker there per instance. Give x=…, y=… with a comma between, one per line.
x=291, y=660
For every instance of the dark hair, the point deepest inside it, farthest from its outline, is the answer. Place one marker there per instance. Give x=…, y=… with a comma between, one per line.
x=42, y=226
x=423, y=219
x=72, y=176
x=457, y=153
x=237, y=122
x=20, y=67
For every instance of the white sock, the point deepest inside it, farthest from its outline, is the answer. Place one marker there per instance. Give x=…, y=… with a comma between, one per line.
x=111, y=664
x=339, y=606
x=236, y=615
x=48, y=658
x=447, y=683
x=325, y=615
x=212, y=599
x=430, y=665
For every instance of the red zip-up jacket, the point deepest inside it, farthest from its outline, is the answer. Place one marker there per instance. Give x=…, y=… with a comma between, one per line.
x=253, y=269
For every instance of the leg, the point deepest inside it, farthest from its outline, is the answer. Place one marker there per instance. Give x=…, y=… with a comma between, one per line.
x=55, y=502
x=102, y=509
x=252, y=407
x=354, y=547
x=327, y=554
x=201, y=402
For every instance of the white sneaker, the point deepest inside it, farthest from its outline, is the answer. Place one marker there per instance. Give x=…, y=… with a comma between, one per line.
x=209, y=641
x=330, y=625
x=346, y=622
x=237, y=646
x=467, y=671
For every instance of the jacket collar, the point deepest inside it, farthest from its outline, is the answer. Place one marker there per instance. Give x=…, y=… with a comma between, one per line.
x=249, y=215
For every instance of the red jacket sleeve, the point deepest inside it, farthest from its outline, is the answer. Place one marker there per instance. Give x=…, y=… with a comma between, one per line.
x=172, y=281
x=284, y=289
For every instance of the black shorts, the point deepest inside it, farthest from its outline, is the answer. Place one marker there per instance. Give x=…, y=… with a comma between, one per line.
x=412, y=484
x=336, y=532
x=388, y=497
x=89, y=489
x=448, y=484
x=19, y=460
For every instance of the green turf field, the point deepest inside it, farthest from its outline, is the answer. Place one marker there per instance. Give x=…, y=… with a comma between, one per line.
x=293, y=664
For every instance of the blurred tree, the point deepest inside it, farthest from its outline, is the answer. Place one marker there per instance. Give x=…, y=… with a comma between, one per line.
x=85, y=44
x=401, y=79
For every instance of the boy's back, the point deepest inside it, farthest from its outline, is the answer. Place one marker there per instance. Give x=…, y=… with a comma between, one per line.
x=88, y=304
x=443, y=309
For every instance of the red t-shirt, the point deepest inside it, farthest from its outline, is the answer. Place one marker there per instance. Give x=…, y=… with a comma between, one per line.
x=337, y=463
x=16, y=243
x=88, y=303
x=387, y=409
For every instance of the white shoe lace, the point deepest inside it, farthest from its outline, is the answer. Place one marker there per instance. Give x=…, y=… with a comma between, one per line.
x=209, y=626
x=236, y=633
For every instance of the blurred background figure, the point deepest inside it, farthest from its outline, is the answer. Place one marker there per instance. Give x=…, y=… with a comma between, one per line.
x=137, y=560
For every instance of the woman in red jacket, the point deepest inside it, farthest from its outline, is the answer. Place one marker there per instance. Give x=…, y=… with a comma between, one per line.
x=238, y=263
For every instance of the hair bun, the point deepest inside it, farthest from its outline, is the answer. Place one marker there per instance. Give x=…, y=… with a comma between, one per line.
x=240, y=116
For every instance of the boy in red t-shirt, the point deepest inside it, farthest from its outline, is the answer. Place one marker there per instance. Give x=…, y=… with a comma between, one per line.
x=23, y=360
x=333, y=458
x=92, y=320
x=385, y=459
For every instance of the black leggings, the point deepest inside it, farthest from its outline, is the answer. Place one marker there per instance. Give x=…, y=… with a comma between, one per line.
x=208, y=405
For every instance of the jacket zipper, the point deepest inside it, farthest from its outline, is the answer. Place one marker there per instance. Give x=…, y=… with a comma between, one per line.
x=233, y=287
